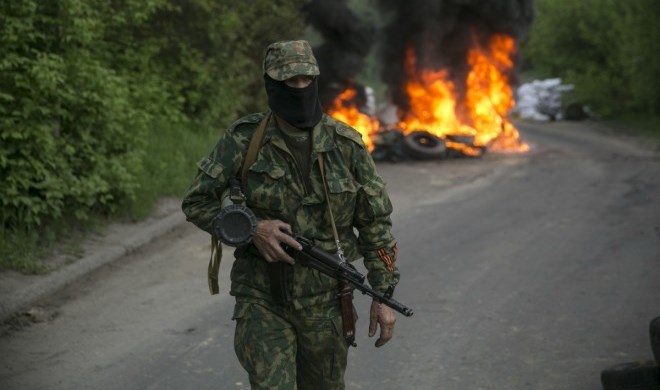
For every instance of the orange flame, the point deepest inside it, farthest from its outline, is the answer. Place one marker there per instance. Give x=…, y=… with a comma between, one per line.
x=489, y=96
x=345, y=110
x=481, y=113
x=435, y=106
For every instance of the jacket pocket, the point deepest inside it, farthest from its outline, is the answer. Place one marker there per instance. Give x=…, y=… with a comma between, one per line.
x=210, y=167
x=266, y=187
x=342, y=193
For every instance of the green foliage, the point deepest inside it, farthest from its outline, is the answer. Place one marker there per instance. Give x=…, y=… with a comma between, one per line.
x=609, y=49
x=97, y=96
x=172, y=164
x=639, y=52
x=69, y=137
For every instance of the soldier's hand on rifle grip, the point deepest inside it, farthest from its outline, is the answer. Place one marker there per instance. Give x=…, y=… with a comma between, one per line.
x=269, y=237
x=383, y=316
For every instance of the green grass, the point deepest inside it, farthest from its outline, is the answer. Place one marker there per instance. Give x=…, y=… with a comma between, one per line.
x=28, y=249
x=19, y=251
x=172, y=154
x=168, y=168
x=638, y=125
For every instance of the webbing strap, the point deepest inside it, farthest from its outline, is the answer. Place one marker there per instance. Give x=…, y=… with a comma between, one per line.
x=253, y=149
x=216, y=247
x=340, y=252
x=214, y=265
x=345, y=289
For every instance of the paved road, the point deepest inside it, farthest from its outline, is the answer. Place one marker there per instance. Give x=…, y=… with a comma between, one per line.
x=531, y=271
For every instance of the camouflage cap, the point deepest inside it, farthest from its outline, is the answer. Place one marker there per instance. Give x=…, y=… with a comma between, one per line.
x=284, y=60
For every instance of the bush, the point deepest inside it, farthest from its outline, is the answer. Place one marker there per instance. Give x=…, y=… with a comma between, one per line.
x=610, y=51
x=69, y=129
x=87, y=87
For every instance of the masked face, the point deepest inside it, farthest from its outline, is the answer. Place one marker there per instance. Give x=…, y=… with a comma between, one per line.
x=300, y=107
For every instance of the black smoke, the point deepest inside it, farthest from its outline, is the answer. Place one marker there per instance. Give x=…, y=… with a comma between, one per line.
x=347, y=40
x=439, y=31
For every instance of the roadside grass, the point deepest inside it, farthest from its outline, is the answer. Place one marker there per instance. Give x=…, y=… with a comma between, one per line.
x=21, y=250
x=169, y=165
x=637, y=125
x=27, y=249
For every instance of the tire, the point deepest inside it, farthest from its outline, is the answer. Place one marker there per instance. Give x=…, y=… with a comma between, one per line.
x=461, y=139
x=644, y=375
x=424, y=145
x=654, y=332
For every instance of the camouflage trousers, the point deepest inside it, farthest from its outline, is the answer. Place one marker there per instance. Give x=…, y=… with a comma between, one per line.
x=282, y=348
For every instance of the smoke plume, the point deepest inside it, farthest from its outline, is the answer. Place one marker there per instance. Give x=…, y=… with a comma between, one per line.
x=347, y=41
x=440, y=32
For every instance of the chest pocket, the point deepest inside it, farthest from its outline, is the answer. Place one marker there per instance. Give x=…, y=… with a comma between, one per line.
x=266, y=186
x=342, y=193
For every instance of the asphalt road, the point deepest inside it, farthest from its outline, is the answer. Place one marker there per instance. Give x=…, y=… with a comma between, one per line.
x=525, y=271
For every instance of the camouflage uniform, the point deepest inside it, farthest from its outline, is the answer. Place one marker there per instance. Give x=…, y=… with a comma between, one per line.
x=272, y=339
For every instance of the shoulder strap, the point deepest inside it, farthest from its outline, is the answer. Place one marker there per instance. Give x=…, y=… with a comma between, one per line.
x=214, y=265
x=250, y=157
x=345, y=289
x=340, y=252
x=253, y=149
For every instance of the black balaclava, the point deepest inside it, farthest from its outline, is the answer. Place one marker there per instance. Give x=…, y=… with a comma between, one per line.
x=300, y=107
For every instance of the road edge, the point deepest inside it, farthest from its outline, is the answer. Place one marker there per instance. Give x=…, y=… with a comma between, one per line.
x=40, y=288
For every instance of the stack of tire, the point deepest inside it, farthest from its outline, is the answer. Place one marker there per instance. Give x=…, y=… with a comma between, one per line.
x=422, y=145
x=641, y=375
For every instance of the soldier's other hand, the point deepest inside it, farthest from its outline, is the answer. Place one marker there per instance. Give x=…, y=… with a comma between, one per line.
x=383, y=316
x=269, y=237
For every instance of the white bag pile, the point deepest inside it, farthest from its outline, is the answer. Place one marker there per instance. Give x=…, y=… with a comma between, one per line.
x=540, y=100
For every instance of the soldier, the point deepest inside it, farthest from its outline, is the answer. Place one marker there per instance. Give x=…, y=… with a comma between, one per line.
x=290, y=331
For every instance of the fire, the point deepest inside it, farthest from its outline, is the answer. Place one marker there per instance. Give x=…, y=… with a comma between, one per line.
x=435, y=106
x=482, y=112
x=345, y=110
x=489, y=96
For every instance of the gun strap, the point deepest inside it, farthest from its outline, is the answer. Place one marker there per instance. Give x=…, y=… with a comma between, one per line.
x=345, y=289
x=214, y=265
x=216, y=247
x=253, y=149
x=340, y=252
x=277, y=272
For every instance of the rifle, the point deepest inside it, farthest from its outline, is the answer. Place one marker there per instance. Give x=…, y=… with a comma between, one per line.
x=328, y=264
x=235, y=225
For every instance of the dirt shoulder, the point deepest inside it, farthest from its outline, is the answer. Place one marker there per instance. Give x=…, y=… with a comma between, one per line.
x=18, y=291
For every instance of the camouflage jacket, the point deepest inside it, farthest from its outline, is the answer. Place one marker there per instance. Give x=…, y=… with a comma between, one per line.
x=275, y=190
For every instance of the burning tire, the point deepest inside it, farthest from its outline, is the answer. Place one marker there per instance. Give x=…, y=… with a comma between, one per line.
x=424, y=145
x=461, y=139
x=643, y=375
x=388, y=146
x=654, y=331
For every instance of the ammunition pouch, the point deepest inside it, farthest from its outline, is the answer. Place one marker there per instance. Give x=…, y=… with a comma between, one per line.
x=279, y=274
